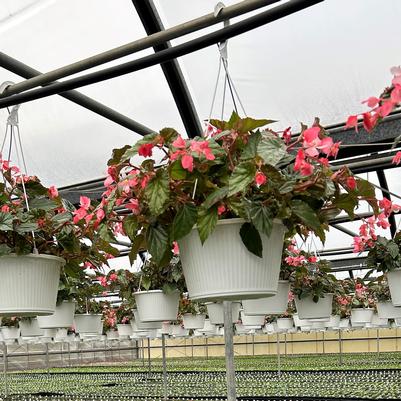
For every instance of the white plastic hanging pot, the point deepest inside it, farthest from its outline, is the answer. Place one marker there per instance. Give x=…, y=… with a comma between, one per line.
x=318, y=325
x=271, y=328
x=285, y=323
x=156, y=306
x=193, y=322
x=274, y=305
x=241, y=329
x=165, y=329
x=255, y=320
x=178, y=331
x=215, y=310
x=10, y=333
x=379, y=322
x=208, y=328
x=362, y=315
x=334, y=322
x=344, y=323
x=139, y=325
x=386, y=310
x=30, y=328
x=124, y=330
x=61, y=334
x=307, y=309
x=62, y=317
x=87, y=323
x=223, y=269
x=112, y=335
x=29, y=284
x=300, y=322
x=49, y=333
x=394, y=283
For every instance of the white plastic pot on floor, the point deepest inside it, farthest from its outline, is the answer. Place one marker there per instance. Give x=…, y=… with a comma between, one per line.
x=124, y=330
x=62, y=317
x=30, y=328
x=386, y=310
x=215, y=311
x=10, y=333
x=241, y=329
x=306, y=329
x=394, y=283
x=285, y=323
x=29, y=284
x=397, y=322
x=138, y=325
x=193, y=322
x=274, y=305
x=223, y=269
x=255, y=320
x=334, y=322
x=87, y=323
x=156, y=306
x=362, y=315
x=307, y=309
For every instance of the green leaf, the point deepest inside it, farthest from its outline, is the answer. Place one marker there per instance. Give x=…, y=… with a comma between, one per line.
x=42, y=203
x=26, y=227
x=241, y=177
x=168, y=134
x=260, y=217
x=346, y=202
x=250, y=150
x=137, y=243
x=251, y=238
x=62, y=218
x=130, y=226
x=271, y=148
x=184, y=221
x=107, y=248
x=215, y=197
x=393, y=249
x=177, y=172
x=249, y=124
x=308, y=217
x=288, y=186
x=6, y=221
x=146, y=282
x=157, y=192
x=207, y=220
x=106, y=234
x=116, y=156
x=5, y=250
x=157, y=241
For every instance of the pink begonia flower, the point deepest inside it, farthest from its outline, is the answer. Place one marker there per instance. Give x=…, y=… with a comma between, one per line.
x=179, y=143
x=5, y=209
x=396, y=70
x=202, y=148
x=382, y=221
x=187, y=163
x=260, y=178
x=84, y=202
x=312, y=259
x=369, y=120
x=79, y=214
x=397, y=158
x=100, y=215
x=372, y=101
x=113, y=277
x=108, y=181
x=176, y=249
x=145, y=150
x=102, y=280
x=145, y=181
x=52, y=191
x=396, y=95
x=221, y=209
x=386, y=108
x=352, y=122
x=388, y=206
x=358, y=244
x=118, y=228
x=291, y=296
x=287, y=135
x=324, y=161
x=351, y=183
x=133, y=205
x=302, y=165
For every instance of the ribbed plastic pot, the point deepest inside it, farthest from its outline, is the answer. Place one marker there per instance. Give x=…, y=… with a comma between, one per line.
x=178, y=331
x=255, y=320
x=156, y=306
x=50, y=333
x=62, y=317
x=112, y=335
x=215, y=311
x=378, y=321
x=274, y=305
x=165, y=329
x=334, y=322
x=10, y=333
x=30, y=328
x=318, y=325
x=241, y=329
x=29, y=284
x=223, y=269
x=363, y=315
x=62, y=333
x=271, y=328
x=300, y=322
x=307, y=309
x=285, y=323
x=386, y=310
x=192, y=322
x=344, y=323
x=124, y=330
x=209, y=327
x=139, y=325
x=394, y=283
x=87, y=323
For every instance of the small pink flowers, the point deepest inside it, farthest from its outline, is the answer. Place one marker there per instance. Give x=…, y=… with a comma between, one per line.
x=176, y=249
x=145, y=150
x=133, y=205
x=351, y=183
x=187, y=162
x=53, y=193
x=397, y=158
x=260, y=178
x=302, y=165
x=221, y=209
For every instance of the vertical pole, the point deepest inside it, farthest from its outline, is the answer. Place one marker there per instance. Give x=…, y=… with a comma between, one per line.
x=192, y=347
x=229, y=351
x=324, y=337
x=285, y=344
x=143, y=351
x=5, y=369
x=69, y=353
x=253, y=344
x=165, y=395
x=378, y=343
x=278, y=356
x=149, y=363
x=47, y=357
x=340, y=344
x=207, y=348
x=27, y=356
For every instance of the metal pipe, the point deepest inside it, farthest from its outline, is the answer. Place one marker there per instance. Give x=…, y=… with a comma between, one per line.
x=229, y=351
x=163, y=56
x=140, y=44
x=23, y=70
x=165, y=389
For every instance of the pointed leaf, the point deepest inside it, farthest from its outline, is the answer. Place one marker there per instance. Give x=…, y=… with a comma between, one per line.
x=250, y=150
x=271, y=149
x=6, y=221
x=308, y=217
x=184, y=221
x=157, y=241
x=207, y=220
x=241, y=177
x=157, y=192
x=251, y=238
x=215, y=197
x=130, y=225
x=260, y=217
x=117, y=154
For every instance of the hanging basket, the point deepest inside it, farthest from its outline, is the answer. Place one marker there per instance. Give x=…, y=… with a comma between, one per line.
x=285, y=323
x=10, y=333
x=62, y=317
x=29, y=284
x=394, y=283
x=386, y=310
x=112, y=335
x=344, y=323
x=307, y=309
x=334, y=322
x=30, y=328
x=209, y=328
x=255, y=320
x=192, y=322
x=361, y=316
x=177, y=330
x=124, y=330
x=274, y=305
x=62, y=334
x=87, y=323
x=223, y=269
x=156, y=306
x=137, y=324
x=215, y=310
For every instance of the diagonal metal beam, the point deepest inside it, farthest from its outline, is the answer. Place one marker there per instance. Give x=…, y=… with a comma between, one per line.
x=385, y=191
x=152, y=23
x=23, y=70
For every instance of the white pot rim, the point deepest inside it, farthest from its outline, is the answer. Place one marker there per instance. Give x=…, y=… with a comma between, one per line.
x=220, y=302
x=153, y=291
x=88, y=314
x=362, y=309
x=236, y=220
x=37, y=256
